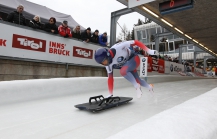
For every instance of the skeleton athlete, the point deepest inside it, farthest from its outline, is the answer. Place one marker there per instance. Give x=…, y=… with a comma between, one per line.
x=120, y=56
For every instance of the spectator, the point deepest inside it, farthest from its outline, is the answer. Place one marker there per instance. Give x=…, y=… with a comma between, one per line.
x=86, y=35
x=76, y=32
x=95, y=37
x=103, y=39
x=35, y=22
x=51, y=26
x=64, y=30
x=17, y=16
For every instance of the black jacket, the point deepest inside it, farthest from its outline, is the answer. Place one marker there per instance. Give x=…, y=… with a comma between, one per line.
x=48, y=27
x=85, y=36
x=34, y=24
x=94, y=38
x=76, y=35
x=17, y=18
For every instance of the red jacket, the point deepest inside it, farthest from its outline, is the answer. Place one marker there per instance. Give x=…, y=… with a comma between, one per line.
x=64, y=30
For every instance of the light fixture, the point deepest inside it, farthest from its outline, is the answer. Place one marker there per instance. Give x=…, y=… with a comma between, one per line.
x=195, y=41
x=167, y=22
x=201, y=44
x=150, y=11
x=179, y=30
x=188, y=36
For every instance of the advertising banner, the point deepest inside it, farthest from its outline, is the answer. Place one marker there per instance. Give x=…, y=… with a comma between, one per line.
x=143, y=66
x=38, y=45
x=175, y=68
x=155, y=64
x=149, y=64
x=161, y=66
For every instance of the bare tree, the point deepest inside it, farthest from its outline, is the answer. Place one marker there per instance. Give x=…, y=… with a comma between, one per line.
x=128, y=36
x=124, y=32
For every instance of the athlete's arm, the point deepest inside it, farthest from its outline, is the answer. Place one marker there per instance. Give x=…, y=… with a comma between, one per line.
x=110, y=83
x=141, y=45
x=110, y=79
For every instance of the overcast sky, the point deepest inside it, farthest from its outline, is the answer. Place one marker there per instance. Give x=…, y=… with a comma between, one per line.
x=92, y=13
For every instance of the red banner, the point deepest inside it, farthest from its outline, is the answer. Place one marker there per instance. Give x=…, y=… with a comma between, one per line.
x=161, y=66
x=149, y=64
x=28, y=43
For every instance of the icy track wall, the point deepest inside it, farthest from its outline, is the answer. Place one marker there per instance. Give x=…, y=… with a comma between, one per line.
x=193, y=119
x=28, y=90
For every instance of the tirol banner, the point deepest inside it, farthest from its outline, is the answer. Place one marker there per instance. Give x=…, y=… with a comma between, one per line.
x=149, y=64
x=155, y=64
x=161, y=66
x=38, y=45
x=143, y=66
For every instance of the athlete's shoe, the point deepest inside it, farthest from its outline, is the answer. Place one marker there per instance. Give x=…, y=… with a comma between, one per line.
x=152, y=88
x=139, y=91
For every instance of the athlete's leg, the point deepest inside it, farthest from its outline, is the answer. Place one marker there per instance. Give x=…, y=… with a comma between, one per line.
x=125, y=71
x=139, y=80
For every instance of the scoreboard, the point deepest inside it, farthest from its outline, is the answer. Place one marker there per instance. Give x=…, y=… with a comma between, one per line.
x=172, y=6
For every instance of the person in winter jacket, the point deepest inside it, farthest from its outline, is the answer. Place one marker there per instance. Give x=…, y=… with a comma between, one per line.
x=64, y=30
x=76, y=33
x=86, y=35
x=35, y=22
x=95, y=37
x=17, y=16
x=51, y=26
x=103, y=39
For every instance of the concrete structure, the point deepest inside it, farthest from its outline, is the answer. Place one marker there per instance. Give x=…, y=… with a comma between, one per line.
x=22, y=70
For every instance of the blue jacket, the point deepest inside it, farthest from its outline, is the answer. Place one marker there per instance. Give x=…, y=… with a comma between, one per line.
x=102, y=40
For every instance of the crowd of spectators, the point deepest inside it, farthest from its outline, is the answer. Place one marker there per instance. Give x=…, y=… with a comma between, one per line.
x=63, y=30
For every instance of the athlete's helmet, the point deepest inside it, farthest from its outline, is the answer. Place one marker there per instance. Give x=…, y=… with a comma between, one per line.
x=101, y=54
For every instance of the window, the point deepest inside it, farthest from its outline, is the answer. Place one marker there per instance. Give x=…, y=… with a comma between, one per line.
x=153, y=46
x=150, y=34
x=144, y=35
x=139, y=35
x=171, y=46
x=177, y=43
x=162, y=47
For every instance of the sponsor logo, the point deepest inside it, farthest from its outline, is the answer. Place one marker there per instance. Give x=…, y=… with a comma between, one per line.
x=58, y=48
x=2, y=42
x=120, y=59
x=144, y=59
x=82, y=52
x=28, y=43
x=155, y=68
x=177, y=68
x=155, y=62
x=144, y=68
